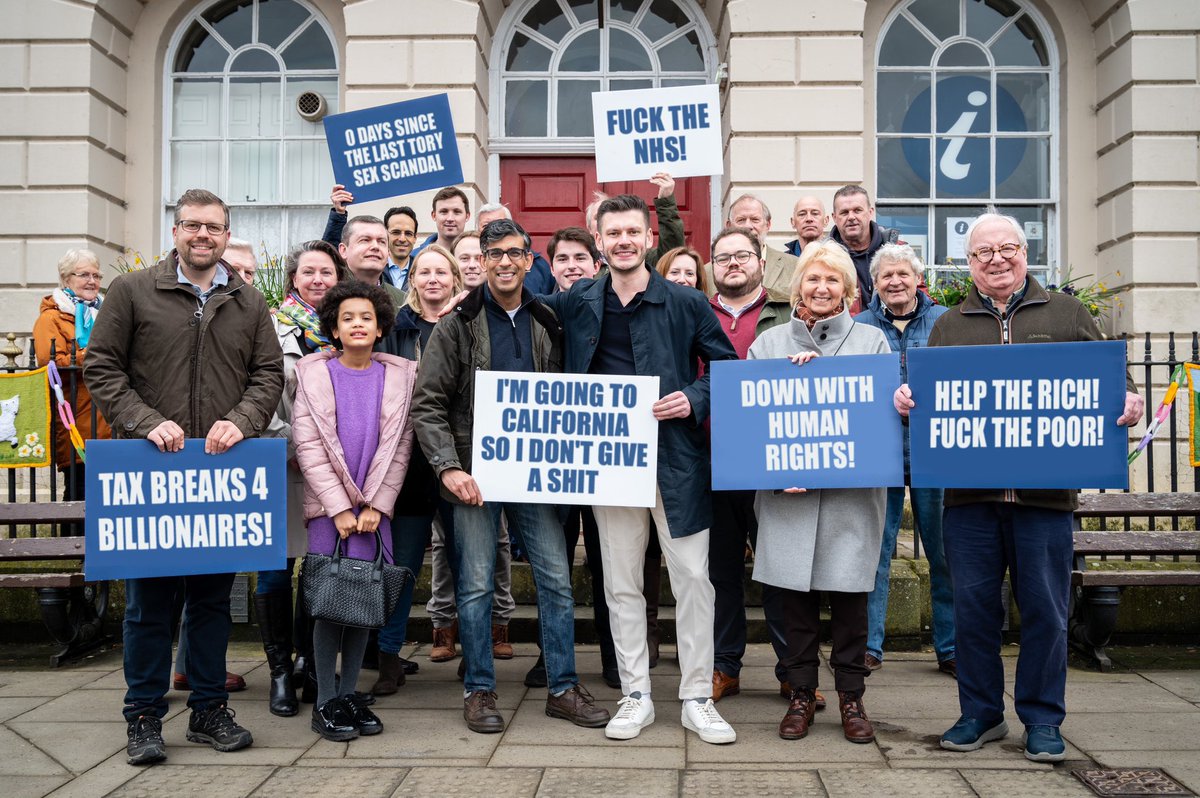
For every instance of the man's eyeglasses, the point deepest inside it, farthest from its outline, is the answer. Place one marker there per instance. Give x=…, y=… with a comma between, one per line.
x=742, y=256
x=497, y=255
x=213, y=228
x=92, y=276
x=986, y=254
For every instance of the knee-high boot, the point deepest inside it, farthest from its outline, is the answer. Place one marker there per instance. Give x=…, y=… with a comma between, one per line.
x=274, y=611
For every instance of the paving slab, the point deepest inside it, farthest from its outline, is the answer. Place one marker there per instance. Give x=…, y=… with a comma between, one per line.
x=846, y=783
x=33, y=786
x=47, y=683
x=213, y=781
x=915, y=743
x=419, y=692
x=357, y=782
x=1133, y=731
x=419, y=734
x=575, y=756
x=20, y=757
x=16, y=706
x=78, y=746
x=82, y=706
x=609, y=783
x=1058, y=783
x=100, y=780
x=1177, y=763
x=531, y=726
x=1185, y=684
x=1139, y=696
x=758, y=783
x=758, y=742
x=197, y=754
x=456, y=782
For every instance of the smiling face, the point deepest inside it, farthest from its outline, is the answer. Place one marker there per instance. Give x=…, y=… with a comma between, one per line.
x=822, y=290
x=683, y=271
x=200, y=250
x=470, y=262
x=624, y=238
x=432, y=278
x=572, y=262
x=506, y=276
x=736, y=279
x=366, y=251
x=896, y=285
x=357, y=327
x=750, y=213
x=315, y=274
x=402, y=236
x=999, y=276
x=84, y=279
x=450, y=215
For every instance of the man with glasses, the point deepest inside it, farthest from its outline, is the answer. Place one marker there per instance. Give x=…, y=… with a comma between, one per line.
x=498, y=326
x=183, y=350
x=1027, y=532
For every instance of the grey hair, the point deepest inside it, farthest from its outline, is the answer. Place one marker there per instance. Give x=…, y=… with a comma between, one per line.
x=242, y=244
x=896, y=253
x=71, y=259
x=492, y=207
x=748, y=198
x=992, y=216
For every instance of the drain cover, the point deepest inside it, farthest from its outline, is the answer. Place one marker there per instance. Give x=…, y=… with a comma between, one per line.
x=1131, y=781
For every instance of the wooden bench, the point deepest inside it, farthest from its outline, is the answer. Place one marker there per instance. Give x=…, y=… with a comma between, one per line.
x=73, y=609
x=1096, y=594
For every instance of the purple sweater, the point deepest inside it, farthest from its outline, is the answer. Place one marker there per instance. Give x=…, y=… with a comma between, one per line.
x=357, y=395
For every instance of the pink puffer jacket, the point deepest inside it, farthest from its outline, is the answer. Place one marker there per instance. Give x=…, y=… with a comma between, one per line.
x=328, y=486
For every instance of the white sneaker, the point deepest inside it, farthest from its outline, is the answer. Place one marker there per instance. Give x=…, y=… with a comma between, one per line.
x=633, y=715
x=707, y=722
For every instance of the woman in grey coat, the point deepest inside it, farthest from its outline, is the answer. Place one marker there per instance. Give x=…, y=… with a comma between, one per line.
x=820, y=540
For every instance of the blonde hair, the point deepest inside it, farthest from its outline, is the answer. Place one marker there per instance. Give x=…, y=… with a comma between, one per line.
x=414, y=300
x=71, y=259
x=831, y=255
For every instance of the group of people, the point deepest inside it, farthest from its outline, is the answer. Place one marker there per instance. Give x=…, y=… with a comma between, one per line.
x=367, y=369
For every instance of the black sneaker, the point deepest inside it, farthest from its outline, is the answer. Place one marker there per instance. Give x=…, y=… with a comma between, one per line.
x=216, y=727
x=146, y=744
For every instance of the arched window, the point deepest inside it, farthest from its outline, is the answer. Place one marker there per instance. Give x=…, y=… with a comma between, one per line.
x=966, y=99
x=561, y=51
x=241, y=74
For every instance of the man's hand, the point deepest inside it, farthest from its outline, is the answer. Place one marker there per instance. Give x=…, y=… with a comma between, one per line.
x=1135, y=408
x=665, y=183
x=462, y=485
x=346, y=523
x=340, y=198
x=902, y=400
x=368, y=519
x=452, y=304
x=167, y=436
x=221, y=438
x=673, y=405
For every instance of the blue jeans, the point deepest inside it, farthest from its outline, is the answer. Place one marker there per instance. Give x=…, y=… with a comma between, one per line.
x=1035, y=545
x=410, y=537
x=927, y=515
x=149, y=607
x=275, y=581
x=475, y=533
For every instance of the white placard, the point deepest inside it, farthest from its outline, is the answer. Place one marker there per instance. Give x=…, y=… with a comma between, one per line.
x=956, y=236
x=565, y=438
x=643, y=131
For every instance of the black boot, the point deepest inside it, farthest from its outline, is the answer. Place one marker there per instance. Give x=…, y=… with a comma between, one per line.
x=274, y=612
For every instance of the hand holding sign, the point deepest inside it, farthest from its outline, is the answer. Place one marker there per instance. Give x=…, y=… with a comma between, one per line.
x=673, y=405
x=221, y=438
x=167, y=436
x=1135, y=408
x=340, y=198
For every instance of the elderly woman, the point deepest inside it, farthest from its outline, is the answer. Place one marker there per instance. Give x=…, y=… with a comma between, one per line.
x=820, y=540
x=64, y=325
x=906, y=317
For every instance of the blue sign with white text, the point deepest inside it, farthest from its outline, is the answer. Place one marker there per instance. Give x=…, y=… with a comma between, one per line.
x=151, y=513
x=1018, y=416
x=394, y=149
x=827, y=424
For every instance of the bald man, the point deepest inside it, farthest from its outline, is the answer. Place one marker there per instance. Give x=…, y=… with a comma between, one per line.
x=809, y=220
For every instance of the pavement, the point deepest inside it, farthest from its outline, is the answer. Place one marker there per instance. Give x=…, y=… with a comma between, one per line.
x=61, y=734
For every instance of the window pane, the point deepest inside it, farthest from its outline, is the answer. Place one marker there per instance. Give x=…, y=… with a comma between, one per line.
x=546, y=18
x=903, y=102
x=903, y=167
x=1035, y=220
x=254, y=61
x=253, y=108
x=525, y=104
x=234, y=21
x=302, y=224
x=1023, y=102
x=200, y=52
x=293, y=123
x=963, y=167
x=949, y=227
x=963, y=54
x=263, y=228
x=682, y=54
x=962, y=103
x=195, y=164
x=526, y=55
x=196, y=112
x=913, y=223
x=669, y=82
x=984, y=17
x=278, y=19
x=253, y=171
x=904, y=45
x=1021, y=45
x=663, y=19
x=623, y=10
x=625, y=53
x=1023, y=168
x=307, y=172
x=575, y=106
x=310, y=50
x=585, y=10
x=640, y=83
x=583, y=54
x=939, y=16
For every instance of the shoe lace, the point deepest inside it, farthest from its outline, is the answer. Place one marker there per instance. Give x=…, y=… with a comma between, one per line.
x=487, y=698
x=220, y=718
x=146, y=727
x=707, y=713
x=629, y=708
x=583, y=694
x=852, y=708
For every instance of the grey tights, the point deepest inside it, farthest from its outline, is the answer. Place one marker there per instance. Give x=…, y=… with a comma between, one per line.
x=328, y=639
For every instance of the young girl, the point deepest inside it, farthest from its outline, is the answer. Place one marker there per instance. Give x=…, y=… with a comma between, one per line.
x=353, y=440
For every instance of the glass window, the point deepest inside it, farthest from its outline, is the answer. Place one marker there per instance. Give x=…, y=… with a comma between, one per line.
x=526, y=55
x=1021, y=45
x=902, y=102
x=312, y=49
x=939, y=17
x=1024, y=102
x=682, y=54
x=546, y=17
x=200, y=51
x=636, y=83
x=904, y=45
x=525, y=104
x=664, y=18
x=623, y=10
x=963, y=54
x=899, y=172
x=626, y=54
x=985, y=17
x=583, y=54
x=233, y=22
x=584, y=10
x=575, y=106
x=254, y=61
x=284, y=19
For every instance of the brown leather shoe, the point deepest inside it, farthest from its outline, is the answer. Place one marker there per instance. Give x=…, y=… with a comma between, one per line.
x=724, y=684
x=479, y=710
x=501, y=648
x=785, y=691
x=855, y=724
x=234, y=682
x=872, y=663
x=577, y=706
x=802, y=705
x=443, y=643
x=949, y=666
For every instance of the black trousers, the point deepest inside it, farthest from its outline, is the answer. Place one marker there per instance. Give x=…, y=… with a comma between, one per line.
x=797, y=615
x=591, y=545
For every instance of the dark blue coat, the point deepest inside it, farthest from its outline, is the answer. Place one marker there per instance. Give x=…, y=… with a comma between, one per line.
x=673, y=329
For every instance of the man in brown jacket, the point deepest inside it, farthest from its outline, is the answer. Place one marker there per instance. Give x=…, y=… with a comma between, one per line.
x=184, y=349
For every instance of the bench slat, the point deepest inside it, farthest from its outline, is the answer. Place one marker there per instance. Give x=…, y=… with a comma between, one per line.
x=41, y=580
x=1112, y=505
x=1137, y=543
x=41, y=549
x=1135, y=578
x=41, y=512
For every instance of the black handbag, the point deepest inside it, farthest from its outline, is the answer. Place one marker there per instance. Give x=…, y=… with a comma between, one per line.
x=352, y=592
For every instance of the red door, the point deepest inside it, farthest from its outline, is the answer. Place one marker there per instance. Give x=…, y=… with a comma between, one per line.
x=548, y=193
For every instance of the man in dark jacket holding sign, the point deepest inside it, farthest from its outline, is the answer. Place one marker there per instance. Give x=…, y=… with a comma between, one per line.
x=1027, y=532
x=184, y=349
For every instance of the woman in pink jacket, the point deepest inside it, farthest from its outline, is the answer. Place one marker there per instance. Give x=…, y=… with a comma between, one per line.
x=353, y=438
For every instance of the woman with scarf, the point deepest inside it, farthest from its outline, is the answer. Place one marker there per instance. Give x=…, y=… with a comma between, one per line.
x=828, y=540
x=64, y=325
x=311, y=269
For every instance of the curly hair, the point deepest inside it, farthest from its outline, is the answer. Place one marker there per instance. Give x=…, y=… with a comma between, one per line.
x=331, y=306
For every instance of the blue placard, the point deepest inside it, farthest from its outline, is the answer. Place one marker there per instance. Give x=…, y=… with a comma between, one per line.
x=827, y=424
x=1019, y=416
x=394, y=149
x=151, y=513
